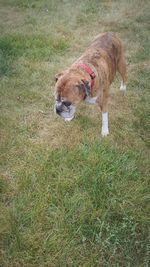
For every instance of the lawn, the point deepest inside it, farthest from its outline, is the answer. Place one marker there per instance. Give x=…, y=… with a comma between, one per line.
x=68, y=196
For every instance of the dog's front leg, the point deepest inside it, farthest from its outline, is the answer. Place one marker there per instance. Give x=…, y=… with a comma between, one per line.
x=103, y=103
x=105, y=130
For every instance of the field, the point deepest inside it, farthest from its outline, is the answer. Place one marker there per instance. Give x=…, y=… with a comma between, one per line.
x=68, y=196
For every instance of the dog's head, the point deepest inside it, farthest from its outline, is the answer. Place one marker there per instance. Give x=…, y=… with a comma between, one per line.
x=70, y=89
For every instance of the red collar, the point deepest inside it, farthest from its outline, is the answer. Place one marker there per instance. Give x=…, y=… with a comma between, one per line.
x=90, y=72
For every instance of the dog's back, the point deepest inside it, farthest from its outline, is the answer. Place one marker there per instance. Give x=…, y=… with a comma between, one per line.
x=106, y=47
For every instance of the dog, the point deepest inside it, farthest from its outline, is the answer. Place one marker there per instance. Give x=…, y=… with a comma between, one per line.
x=89, y=78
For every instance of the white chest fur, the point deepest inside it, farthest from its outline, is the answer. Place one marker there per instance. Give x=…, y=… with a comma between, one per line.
x=91, y=100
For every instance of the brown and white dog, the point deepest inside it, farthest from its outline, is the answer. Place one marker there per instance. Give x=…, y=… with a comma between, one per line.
x=92, y=74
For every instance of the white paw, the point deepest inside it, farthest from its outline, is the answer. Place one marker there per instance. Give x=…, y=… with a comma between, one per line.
x=123, y=87
x=104, y=132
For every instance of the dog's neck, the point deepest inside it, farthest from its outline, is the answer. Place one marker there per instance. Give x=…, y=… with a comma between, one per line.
x=88, y=89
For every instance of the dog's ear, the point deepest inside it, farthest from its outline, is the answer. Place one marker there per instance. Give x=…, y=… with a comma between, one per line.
x=58, y=75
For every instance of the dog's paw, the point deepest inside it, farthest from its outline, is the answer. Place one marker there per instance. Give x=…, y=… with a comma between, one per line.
x=123, y=87
x=104, y=132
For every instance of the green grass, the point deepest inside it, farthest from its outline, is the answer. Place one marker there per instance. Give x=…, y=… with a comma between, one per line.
x=38, y=47
x=69, y=197
x=87, y=202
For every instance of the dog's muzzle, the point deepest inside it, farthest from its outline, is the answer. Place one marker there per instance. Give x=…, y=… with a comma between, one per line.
x=65, y=109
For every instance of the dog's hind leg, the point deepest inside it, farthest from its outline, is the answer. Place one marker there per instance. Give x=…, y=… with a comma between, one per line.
x=121, y=67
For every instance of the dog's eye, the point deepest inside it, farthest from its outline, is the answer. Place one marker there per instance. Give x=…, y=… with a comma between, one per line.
x=58, y=98
x=67, y=103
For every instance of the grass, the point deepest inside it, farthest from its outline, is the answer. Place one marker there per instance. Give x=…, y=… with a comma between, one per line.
x=38, y=47
x=69, y=197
